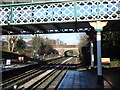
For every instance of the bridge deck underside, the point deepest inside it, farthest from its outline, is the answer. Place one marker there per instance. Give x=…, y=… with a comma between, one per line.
x=46, y=28
x=56, y=28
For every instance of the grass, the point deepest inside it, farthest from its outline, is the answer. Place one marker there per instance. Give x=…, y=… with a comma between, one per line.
x=113, y=63
x=81, y=69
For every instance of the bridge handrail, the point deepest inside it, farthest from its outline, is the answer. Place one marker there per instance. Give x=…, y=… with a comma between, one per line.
x=34, y=3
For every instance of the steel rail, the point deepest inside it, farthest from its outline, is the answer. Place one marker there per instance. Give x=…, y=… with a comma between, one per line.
x=23, y=80
x=45, y=77
x=11, y=80
x=20, y=79
x=110, y=83
x=51, y=81
x=61, y=78
x=52, y=78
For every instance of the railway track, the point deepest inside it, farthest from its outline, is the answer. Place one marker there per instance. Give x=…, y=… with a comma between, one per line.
x=54, y=79
x=23, y=79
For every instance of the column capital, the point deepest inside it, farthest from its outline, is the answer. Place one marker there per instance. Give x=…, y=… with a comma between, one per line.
x=98, y=25
x=99, y=30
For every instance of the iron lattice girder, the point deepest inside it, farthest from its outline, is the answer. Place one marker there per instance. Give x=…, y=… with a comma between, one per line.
x=65, y=11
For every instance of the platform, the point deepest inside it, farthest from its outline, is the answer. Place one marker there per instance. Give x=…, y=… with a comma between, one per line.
x=79, y=79
x=4, y=68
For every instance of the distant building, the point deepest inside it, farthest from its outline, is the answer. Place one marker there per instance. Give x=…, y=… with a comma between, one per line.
x=29, y=43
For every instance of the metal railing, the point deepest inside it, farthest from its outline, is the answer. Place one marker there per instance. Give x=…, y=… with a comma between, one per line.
x=64, y=11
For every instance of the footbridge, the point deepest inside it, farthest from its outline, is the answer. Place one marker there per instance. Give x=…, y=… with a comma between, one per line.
x=55, y=16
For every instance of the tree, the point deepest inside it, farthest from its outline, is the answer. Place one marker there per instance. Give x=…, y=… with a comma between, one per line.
x=48, y=48
x=4, y=46
x=20, y=46
x=42, y=46
x=29, y=52
x=59, y=42
x=111, y=44
x=84, y=51
x=11, y=40
x=36, y=42
x=83, y=42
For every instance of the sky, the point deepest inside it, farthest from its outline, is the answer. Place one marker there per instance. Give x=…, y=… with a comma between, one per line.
x=68, y=38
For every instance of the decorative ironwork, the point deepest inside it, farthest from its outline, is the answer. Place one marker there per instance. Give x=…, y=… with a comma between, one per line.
x=4, y=15
x=21, y=14
x=63, y=12
x=42, y=13
x=109, y=10
x=86, y=11
x=69, y=11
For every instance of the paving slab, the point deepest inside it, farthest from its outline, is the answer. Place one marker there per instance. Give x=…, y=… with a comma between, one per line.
x=79, y=79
